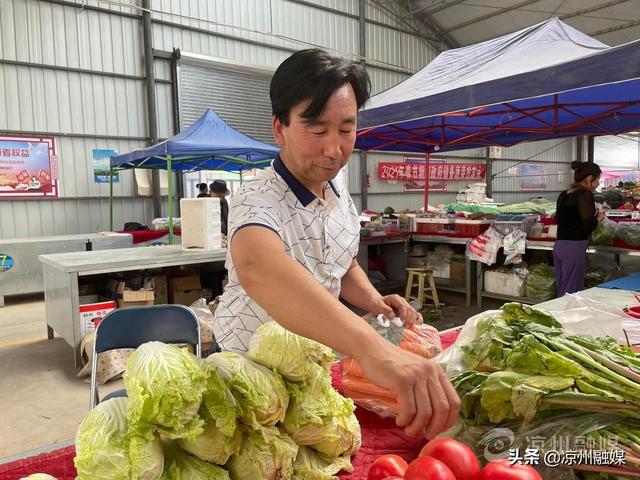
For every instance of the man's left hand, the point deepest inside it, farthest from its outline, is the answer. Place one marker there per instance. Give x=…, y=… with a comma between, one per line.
x=396, y=306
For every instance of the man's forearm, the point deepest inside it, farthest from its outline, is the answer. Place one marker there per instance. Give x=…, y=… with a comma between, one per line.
x=292, y=297
x=357, y=289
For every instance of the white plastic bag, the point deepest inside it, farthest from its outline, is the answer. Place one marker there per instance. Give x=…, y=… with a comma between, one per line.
x=451, y=358
x=515, y=246
x=484, y=248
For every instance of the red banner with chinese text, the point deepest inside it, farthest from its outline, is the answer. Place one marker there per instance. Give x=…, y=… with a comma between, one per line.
x=442, y=171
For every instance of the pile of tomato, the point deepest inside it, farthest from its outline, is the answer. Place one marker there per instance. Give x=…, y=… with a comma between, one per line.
x=447, y=459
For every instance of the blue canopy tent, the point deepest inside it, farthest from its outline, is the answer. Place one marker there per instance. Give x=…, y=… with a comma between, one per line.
x=543, y=82
x=209, y=144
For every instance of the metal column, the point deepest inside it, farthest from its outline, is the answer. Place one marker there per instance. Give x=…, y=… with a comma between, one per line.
x=152, y=112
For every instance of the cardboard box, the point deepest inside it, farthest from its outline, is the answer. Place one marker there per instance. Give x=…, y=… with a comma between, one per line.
x=92, y=311
x=504, y=283
x=161, y=290
x=185, y=290
x=136, y=298
x=458, y=268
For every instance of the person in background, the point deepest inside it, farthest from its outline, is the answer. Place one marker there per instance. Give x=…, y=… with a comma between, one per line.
x=203, y=191
x=577, y=217
x=219, y=190
x=294, y=237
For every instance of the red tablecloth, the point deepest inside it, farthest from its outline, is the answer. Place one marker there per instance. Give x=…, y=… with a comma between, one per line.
x=379, y=436
x=141, y=236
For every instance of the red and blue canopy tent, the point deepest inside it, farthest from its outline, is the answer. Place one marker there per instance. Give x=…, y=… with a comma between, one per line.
x=544, y=82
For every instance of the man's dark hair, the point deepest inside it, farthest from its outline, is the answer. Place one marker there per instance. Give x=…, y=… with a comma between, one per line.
x=202, y=187
x=314, y=75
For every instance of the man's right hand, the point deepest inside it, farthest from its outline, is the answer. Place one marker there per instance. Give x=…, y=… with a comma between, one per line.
x=428, y=402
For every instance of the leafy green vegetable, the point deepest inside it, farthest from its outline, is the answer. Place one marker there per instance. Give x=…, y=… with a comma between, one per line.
x=105, y=450
x=221, y=437
x=541, y=282
x=517, y=311
x=604, y=234
x=264, y=457
x=260, y=392
x=165, y=386
x=292, y=356
x=179, y=465
x=212, y=445
x=320, y=417
x=311, y=465
x=629, y=233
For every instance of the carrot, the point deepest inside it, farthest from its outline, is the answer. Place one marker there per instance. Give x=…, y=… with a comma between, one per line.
x=349, y=366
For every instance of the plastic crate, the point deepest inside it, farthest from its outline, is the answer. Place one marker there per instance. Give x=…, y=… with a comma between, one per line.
x=401, y=224
x=505, y=224
x=435, y=225
x=471, y=228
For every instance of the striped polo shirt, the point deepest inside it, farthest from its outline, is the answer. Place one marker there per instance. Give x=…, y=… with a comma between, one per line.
x=322, y=235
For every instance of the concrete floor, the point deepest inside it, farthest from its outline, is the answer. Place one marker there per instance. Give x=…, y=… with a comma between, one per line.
x=41, y=399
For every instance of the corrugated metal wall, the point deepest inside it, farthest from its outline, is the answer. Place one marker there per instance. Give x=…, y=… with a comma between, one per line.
x=78, y=74
x=75, y=74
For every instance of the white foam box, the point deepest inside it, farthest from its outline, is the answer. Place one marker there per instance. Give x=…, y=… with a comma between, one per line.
x=200, y=223
x=442, y=272
x=504, y=283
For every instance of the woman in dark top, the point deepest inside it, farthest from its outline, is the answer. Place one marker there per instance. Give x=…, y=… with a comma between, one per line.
x=203, y=189
x=577, y=218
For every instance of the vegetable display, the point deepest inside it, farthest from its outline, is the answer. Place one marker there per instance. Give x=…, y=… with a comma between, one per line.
x=520, y=370
x=165, y=386
x=106, y=449
x=224, y=418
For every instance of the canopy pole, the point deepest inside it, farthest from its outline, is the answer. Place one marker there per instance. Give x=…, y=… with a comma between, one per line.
x=110, y=199
x=240, y=176
x=170, y=199
x=426, y=182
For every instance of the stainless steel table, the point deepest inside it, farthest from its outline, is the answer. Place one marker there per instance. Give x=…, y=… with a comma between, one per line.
x=26, y=274
x=546, y=246
x=443, y=285
x=61, y=272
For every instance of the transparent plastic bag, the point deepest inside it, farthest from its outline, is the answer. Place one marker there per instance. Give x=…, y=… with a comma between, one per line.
x=604, y=234
x=451, y=359
x=514, y=246
x=541, y=282
x=561, y=433
x=629, y=233
x=422, y=340
x=205, y=318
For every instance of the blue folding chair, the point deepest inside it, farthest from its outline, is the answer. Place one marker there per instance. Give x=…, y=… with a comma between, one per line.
x=130, y=327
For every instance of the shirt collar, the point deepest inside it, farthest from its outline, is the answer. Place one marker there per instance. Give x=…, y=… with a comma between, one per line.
x=302, y=193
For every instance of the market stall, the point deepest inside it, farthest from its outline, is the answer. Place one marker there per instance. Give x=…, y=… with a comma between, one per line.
x=543, y=82
x=380, y=436
x=64, y=271
x=209, y=144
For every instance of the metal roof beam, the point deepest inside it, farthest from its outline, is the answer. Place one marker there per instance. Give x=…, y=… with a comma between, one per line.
x=431, y=40
x=490, y=15
x=615, y=29
x=444, y=7
x=592, y=9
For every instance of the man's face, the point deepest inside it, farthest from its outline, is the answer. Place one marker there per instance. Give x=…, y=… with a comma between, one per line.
x=315, y=151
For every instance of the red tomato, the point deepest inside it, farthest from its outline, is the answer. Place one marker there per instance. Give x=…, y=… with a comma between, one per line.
x=428, y=468
x=386, y=467
x=455, y=455
x=504, y=470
